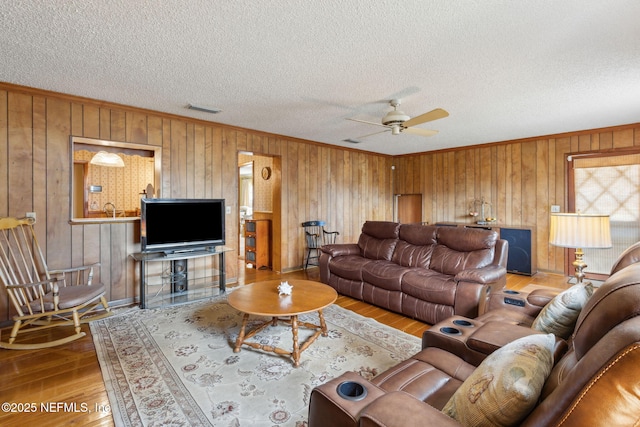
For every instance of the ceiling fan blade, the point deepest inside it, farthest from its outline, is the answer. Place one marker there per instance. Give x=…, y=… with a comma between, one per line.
x=436, y=114
x=371, y=134
x=421, y=132
x=364, y=121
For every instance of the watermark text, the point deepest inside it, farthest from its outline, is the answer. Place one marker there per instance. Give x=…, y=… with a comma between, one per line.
x=54, y=407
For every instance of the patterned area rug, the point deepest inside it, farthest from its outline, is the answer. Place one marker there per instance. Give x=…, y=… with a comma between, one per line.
x=175, y=366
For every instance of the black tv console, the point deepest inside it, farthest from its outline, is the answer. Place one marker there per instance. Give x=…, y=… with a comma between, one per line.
x=165, y=278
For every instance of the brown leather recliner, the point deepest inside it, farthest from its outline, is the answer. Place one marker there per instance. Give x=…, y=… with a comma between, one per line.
x=595, y=383
x=521, y=308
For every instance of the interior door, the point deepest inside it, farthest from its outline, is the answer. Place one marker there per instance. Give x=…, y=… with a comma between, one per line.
x=409, y=208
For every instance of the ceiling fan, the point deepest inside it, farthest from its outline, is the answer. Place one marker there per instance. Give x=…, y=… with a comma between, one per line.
x=397, y=122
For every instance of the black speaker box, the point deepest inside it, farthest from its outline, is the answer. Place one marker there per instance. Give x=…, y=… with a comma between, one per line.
x=520, y=250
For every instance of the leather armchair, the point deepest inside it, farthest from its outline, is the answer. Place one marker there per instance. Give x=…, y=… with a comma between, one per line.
x=596, y=382
x=521, y=308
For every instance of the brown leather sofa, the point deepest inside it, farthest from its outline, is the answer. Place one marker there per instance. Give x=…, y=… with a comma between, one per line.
x=596, y=382
x=425, y=272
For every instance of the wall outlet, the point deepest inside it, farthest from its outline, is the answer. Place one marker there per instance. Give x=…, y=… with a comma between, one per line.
x=228, y=209
x=555, y=208
x=31, y=215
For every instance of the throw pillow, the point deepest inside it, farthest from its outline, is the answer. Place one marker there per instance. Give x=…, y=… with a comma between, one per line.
x=559, y=316
x=506, y=386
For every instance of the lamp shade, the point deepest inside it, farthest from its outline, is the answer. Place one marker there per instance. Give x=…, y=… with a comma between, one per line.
x=576, y=230
x=102, y=158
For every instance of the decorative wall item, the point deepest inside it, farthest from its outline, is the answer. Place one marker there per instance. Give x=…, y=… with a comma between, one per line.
x=266, y=173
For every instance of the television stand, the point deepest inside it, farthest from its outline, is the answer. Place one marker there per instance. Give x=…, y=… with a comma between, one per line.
x=180, y=277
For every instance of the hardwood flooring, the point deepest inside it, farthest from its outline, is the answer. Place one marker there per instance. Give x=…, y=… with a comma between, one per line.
x=63, y=385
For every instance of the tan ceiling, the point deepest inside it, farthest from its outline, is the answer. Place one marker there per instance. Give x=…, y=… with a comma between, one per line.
x=502, y=69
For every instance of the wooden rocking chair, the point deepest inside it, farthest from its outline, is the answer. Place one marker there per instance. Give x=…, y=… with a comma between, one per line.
x=44, y=298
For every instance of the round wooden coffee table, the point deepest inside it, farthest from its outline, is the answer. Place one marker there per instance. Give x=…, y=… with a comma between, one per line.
x=262, y=299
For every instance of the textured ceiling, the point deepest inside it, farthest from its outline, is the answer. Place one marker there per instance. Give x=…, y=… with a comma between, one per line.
x=502, y=69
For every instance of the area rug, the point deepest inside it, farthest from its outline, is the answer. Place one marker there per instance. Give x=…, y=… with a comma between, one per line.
x=175, y=366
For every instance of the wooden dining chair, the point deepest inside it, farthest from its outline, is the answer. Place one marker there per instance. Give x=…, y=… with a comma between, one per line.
x=316, y=237
x=43, y=298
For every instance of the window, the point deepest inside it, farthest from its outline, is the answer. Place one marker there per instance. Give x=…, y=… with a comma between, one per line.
x=609, y=184
x=107, y=193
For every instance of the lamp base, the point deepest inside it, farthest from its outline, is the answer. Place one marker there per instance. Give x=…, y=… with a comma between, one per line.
x=579, y=265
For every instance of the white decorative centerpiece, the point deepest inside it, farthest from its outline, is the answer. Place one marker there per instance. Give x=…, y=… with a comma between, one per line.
x=284, y=288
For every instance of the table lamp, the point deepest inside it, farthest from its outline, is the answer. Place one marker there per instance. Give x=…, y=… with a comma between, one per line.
x=579, y=231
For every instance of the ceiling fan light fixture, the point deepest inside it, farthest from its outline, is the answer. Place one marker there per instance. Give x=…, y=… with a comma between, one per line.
x=102, y=158
x=394, y=117
x=398, y=122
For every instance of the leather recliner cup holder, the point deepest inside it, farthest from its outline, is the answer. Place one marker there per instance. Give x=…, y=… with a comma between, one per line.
x=462, y=322
x=352, y=390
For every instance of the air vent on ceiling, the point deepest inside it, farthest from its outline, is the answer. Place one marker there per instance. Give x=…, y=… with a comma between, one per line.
x=203, y=108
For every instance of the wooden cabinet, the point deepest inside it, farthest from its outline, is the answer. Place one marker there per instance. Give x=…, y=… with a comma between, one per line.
x=257, y=243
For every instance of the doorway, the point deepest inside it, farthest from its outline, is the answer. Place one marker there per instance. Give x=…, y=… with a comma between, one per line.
x=259, y=201
x=245, y=201
x=409, y=208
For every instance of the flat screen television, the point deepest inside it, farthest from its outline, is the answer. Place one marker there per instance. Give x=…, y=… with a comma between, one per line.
x=173, y=225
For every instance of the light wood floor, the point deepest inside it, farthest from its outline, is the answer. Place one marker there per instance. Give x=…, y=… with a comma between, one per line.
x=50, y=381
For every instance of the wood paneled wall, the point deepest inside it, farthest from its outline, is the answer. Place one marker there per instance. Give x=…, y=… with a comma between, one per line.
x=521, y=179
x=199, y=159
x=344, y=187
